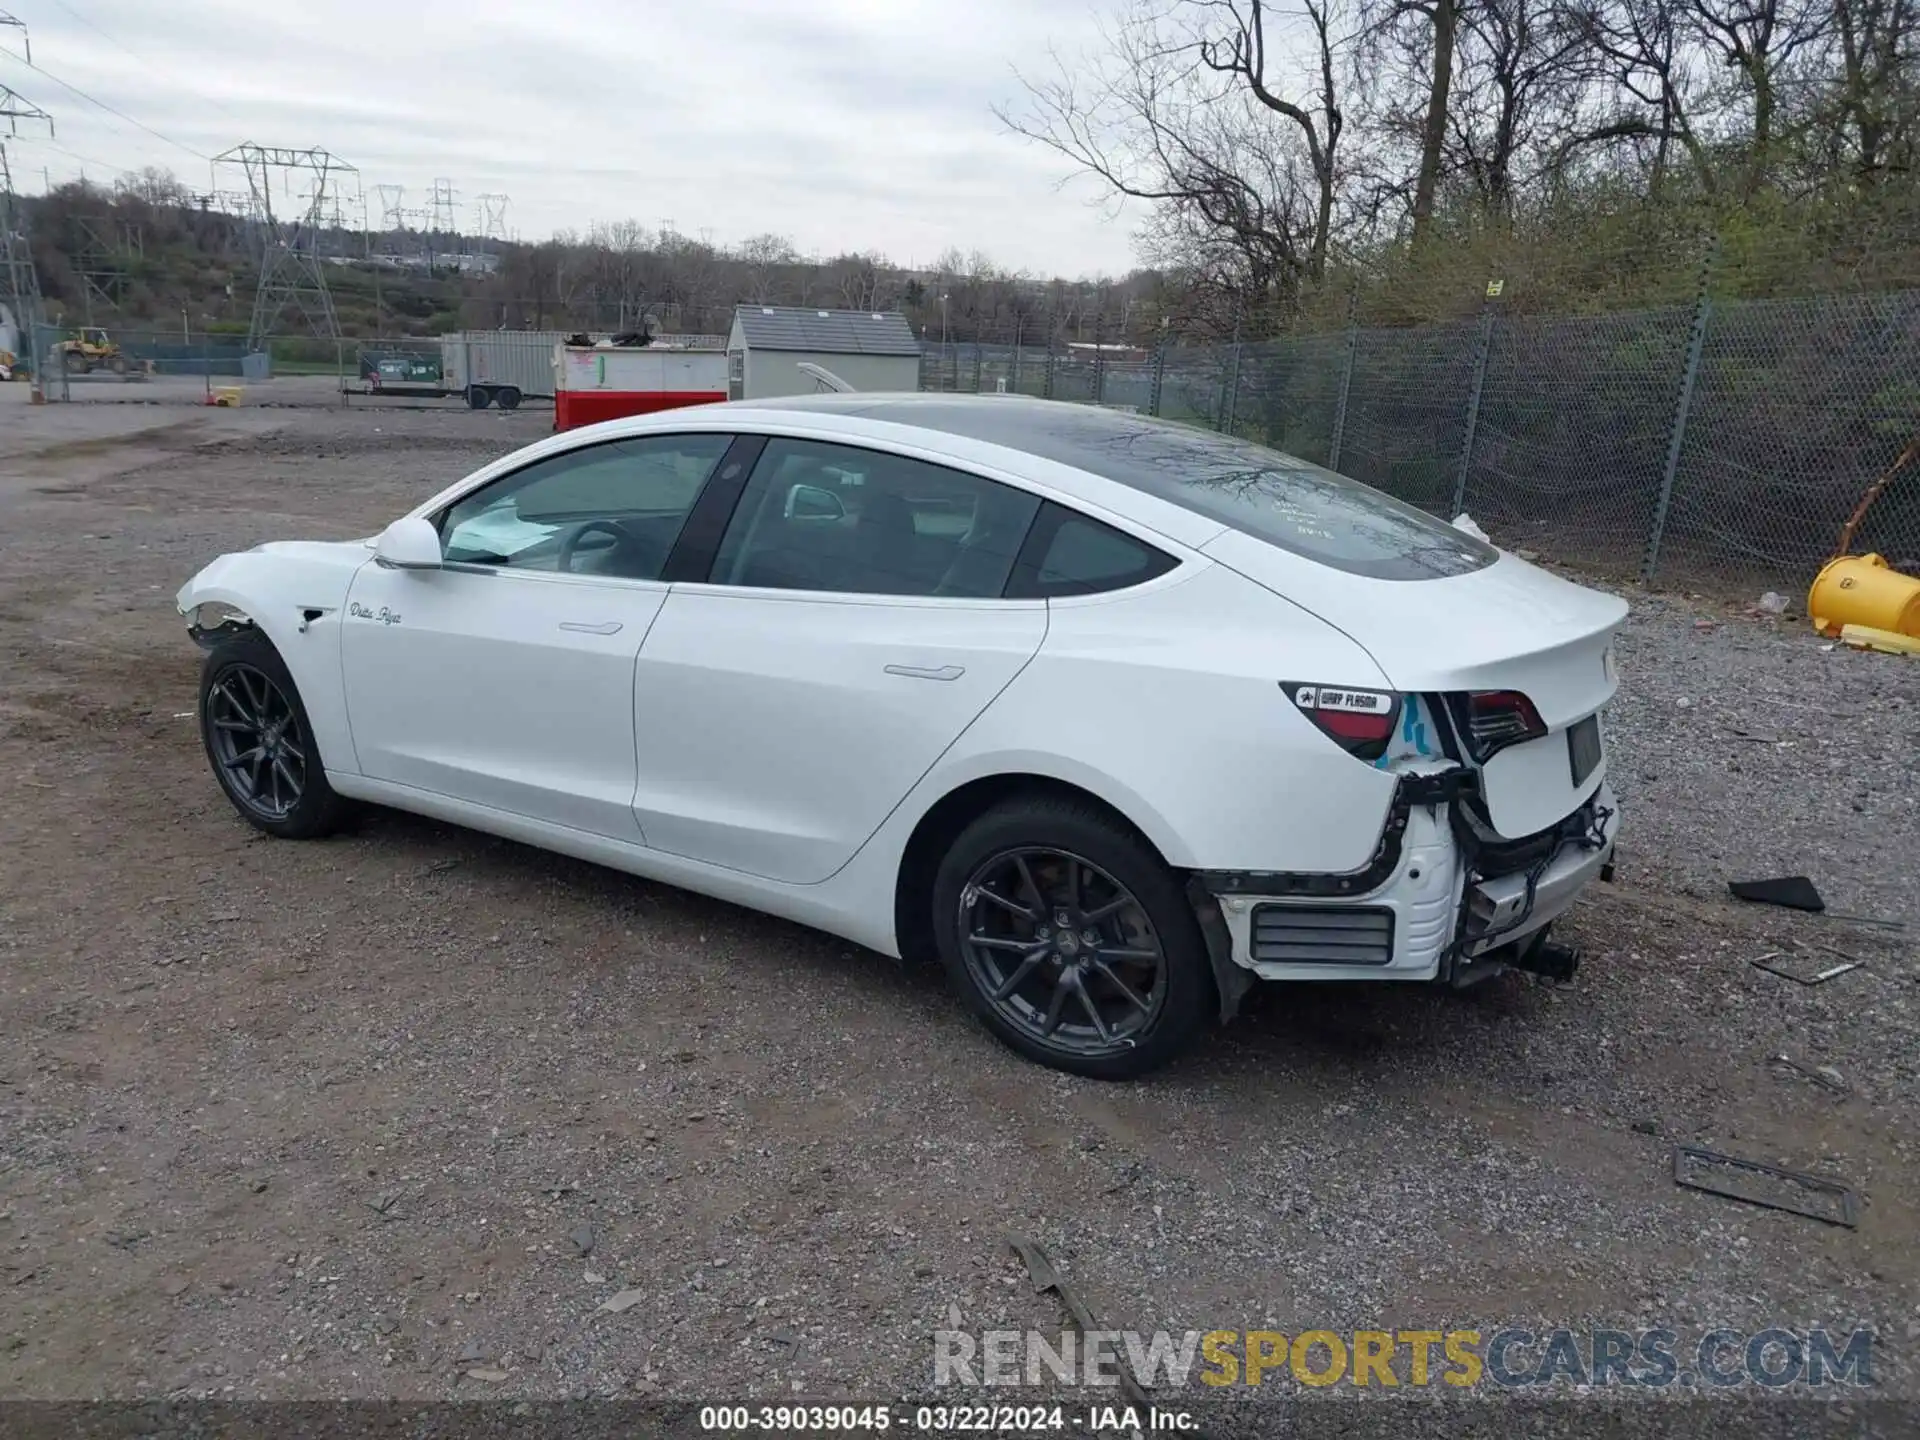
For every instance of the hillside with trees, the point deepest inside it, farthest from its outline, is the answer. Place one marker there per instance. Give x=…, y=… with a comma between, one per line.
x=1298, y=167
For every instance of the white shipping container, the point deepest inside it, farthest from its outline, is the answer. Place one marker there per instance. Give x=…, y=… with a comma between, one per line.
x=653, y=369
x=522, y=359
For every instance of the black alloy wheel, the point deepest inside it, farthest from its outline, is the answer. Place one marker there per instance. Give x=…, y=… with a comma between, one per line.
x=258, y=742
x=1062, y=951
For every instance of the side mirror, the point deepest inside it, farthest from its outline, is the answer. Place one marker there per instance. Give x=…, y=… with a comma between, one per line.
x=410, y=544
x=811, y=502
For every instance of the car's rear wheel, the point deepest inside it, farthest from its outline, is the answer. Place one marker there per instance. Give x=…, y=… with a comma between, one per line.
x=1071, y=939
x=260, y=743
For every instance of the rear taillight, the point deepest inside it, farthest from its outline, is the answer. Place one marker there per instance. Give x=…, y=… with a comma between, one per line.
x=1491, y=720
x=1358, y=721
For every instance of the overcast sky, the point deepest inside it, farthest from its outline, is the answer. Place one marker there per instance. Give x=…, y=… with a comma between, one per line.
x=843, y=124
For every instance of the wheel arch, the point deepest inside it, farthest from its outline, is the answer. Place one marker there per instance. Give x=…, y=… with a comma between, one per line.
x=964, y=802
x=306, y=639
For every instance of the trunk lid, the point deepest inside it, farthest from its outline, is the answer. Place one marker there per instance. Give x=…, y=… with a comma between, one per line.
x=1508, y=626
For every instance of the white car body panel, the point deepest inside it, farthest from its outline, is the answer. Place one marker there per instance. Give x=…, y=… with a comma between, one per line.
x=753, y=745
x=777, y=729
x=1511, y=626
x=1175, y=688
x=512, y=690
x=276, y=585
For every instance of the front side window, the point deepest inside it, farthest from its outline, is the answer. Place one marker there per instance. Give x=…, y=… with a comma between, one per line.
x=613, y=509
x=817, y=516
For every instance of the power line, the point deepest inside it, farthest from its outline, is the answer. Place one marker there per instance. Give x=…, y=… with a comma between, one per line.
x=111, y=110
x=76, y=155
x=127, y=49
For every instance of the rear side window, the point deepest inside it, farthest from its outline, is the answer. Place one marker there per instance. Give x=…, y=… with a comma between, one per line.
x=819, y=516
x=1071, y=554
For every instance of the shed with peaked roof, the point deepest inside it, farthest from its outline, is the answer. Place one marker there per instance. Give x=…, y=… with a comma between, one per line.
x=870, y=350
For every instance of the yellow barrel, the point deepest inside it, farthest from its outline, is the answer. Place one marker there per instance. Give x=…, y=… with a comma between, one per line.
x=1861, y=590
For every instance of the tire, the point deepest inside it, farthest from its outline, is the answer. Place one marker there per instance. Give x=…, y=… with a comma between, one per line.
x=74, y=363
x=478, y=397
x=284, y=794
x=118, y=364
x=1154, y=1010
x=507, y=397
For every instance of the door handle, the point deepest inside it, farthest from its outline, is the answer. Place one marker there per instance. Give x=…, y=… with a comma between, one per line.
x=928, y=672
x=605, y=627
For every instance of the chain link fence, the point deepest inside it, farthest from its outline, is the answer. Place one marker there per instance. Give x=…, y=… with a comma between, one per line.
x=1722, y=443
x=1707, y=440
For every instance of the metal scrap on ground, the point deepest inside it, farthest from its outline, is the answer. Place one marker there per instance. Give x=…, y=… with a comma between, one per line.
x=1046, y=1276
x=1797, y=892
x=1758, y=1183
x=1769, y=962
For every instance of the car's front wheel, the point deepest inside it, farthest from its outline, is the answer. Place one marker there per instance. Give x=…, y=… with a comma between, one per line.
x=1071, y=939
x=260, y=743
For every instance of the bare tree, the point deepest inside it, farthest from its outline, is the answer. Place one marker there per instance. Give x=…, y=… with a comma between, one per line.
x=1641, y=48
x=1523, y=67
x=1878, y=103
x=764, y=258
x=1758, y=42
x=1190, y=108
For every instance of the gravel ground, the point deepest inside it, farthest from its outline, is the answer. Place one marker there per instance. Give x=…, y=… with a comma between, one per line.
x=393, y=1115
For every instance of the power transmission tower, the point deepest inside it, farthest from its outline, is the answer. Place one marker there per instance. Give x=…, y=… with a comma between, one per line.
x=19, y=281
x=393, y=215
x=26, y=40
x=291, y=273
x=446, y=219
x=490, y=211
x=100, y=266
x=15, y=107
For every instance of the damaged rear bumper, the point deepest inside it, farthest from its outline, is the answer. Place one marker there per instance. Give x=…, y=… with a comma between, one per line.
x=1443, y=896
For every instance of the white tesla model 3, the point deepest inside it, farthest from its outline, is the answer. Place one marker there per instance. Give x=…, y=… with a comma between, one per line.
x=1111, y=714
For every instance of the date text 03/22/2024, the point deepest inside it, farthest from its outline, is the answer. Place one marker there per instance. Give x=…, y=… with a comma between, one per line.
x=945, y=1419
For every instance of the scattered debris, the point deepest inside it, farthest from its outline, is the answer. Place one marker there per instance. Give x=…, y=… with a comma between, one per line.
x=175, y=1285
x=1825, y=1076
x=384, y=1205
x=625, y=1300
x=1767, y=962
x=1887, y=642
x=1758, y=1183
x=1463, y=522
x=492, y=1377
x=474, y=1353
x=593, y=1277
x=582, y=1238
x=1046, y=1276
x=1773, y=603
x=1797, y=892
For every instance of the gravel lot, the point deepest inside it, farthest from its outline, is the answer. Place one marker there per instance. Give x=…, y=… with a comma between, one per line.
x=338, y=1120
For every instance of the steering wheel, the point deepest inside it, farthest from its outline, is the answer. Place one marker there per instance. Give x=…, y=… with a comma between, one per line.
x=623, y=538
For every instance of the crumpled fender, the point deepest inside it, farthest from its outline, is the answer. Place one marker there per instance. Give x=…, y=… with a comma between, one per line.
x=293, y=593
